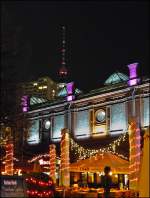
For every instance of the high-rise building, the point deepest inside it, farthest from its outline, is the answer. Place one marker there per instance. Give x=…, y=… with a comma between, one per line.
x=43, y=87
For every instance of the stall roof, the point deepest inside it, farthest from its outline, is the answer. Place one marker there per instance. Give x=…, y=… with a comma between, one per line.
x=98, y=162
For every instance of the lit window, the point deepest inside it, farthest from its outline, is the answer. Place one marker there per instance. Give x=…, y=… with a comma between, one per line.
x=35, y=84
x=40, y=87
x=44, y=87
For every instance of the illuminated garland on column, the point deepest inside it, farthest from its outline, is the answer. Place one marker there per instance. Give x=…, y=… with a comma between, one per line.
x=64, y=165
x=52, y=153
x=135, y=155
x=9, y=159
x=84, y=153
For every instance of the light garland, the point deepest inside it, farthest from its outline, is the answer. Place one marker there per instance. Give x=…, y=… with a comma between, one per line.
x=84, y=153
x=36, y=193
x=39, y=182
x=52, y=155
x=9, y=159
x=65, y=160
x=135, y=155
x=38, y=157
x=44, y=186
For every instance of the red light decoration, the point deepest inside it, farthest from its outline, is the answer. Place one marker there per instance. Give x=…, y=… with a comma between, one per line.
x=41, y=187
x=33, y=193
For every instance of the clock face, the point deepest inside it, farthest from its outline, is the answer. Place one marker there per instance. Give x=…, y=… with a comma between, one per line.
x=100, y=115
x=47, y=124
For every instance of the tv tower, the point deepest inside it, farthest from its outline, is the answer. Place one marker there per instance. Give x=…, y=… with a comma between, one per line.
x=63, y=70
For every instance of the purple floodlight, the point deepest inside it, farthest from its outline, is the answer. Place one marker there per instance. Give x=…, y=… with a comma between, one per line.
x=70, y=98
x=70, y=90
x=133, y=70
x=133, y=80
x=70, y=87
x=24, y=109
x=24, y=103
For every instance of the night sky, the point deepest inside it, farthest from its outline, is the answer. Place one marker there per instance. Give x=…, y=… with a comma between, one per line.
x=102, y=37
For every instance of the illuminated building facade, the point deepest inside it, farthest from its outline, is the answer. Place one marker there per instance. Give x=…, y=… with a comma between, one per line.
x=98, y=116
x=99, y=113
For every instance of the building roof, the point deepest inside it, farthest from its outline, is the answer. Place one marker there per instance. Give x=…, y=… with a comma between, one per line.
x=116, y=77
x=63, y=92
x=36, y=100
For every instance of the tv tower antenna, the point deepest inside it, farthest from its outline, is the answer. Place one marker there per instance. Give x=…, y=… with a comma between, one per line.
x=63, y=70
x=63, y=45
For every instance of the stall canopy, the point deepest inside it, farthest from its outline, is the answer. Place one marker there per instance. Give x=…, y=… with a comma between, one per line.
x=98, y=162
x=144, y=190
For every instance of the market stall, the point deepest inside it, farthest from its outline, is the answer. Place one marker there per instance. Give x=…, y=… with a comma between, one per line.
x=98, y=162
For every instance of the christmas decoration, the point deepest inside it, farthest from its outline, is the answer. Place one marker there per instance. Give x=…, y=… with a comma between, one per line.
x=9, y=159
x=64, y=165
x=52, y=154
x=135, y=155
x=39, y=185
x=84, y=153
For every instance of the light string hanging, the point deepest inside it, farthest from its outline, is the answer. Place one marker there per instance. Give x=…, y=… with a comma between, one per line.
x=38, y=157
x=84, y=153
x=38, y=188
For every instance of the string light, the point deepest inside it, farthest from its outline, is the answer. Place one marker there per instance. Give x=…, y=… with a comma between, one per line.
x=84, y=153
x=52, y=155
x=39, y=184
x=9, y=159
x=38, y=157
x=65, y=161
x=135, y=154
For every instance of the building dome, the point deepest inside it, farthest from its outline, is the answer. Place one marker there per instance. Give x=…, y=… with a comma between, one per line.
x=116, y=77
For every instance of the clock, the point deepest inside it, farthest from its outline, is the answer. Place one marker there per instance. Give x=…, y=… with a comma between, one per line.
x=100, y=115
x=47, y=124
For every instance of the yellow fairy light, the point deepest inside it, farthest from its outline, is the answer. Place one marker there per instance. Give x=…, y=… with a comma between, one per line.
x=82, y=152
x=9, y=159
x=52, y=154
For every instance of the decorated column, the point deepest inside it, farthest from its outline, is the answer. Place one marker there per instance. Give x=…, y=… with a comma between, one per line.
x=135, y=155
x=52, y=153
x=9, y=158
x=65, y=161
